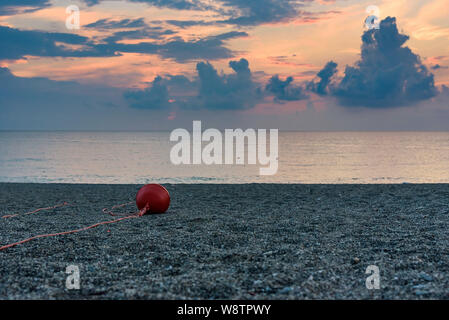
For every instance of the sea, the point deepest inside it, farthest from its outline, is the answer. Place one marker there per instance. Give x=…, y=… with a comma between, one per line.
x=144, y=157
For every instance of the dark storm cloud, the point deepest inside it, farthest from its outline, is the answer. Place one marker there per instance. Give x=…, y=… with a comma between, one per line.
x=325, y=75
x=11, y=7
x=388, y=73
x=209, y=90
x=284, y=90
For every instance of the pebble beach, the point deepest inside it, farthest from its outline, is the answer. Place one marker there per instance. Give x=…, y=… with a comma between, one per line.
x=232, y=241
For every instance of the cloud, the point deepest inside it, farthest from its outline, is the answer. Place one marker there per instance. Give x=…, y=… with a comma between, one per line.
x=283, y=90
x=261, y=11
x=44, y=104
x=388, y=74
x=325, y=75
x=240, y=12
x=438, y=66
x=155, y=33
x=117, y=24
x=189, y=23
x=18, y=43
x=13, y=89
x=12, y=7
x=154, y=97
x=210, y=90
x=233, y=91
x=326, y=2
x=42, y=91
x=255, y=12
x=40, y=103
x=173, y=4
x=209, y=48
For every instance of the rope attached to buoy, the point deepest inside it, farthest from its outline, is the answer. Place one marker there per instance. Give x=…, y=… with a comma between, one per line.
x=155, y=194
x=105, y=210
x=35, y=211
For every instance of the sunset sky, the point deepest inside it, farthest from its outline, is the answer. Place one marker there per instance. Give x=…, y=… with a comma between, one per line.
x=159, y=64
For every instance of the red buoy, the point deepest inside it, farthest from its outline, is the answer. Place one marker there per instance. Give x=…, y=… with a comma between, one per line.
x=153, y=198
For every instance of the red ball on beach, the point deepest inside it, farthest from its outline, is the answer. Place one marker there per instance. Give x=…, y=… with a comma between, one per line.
x=153, y=198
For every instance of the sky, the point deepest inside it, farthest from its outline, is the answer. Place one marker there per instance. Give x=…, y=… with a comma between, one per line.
x=308, y=65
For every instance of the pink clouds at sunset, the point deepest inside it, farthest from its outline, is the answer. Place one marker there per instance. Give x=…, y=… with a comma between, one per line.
x=252, y=57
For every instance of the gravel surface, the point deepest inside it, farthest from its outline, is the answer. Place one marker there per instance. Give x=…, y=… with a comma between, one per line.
x=254, y=241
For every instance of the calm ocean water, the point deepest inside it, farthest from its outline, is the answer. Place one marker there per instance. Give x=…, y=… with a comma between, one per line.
x=304, y=157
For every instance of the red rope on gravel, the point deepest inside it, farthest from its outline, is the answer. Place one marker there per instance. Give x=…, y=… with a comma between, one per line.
x=37, y=210
x=65, y=232
x=105, y=210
